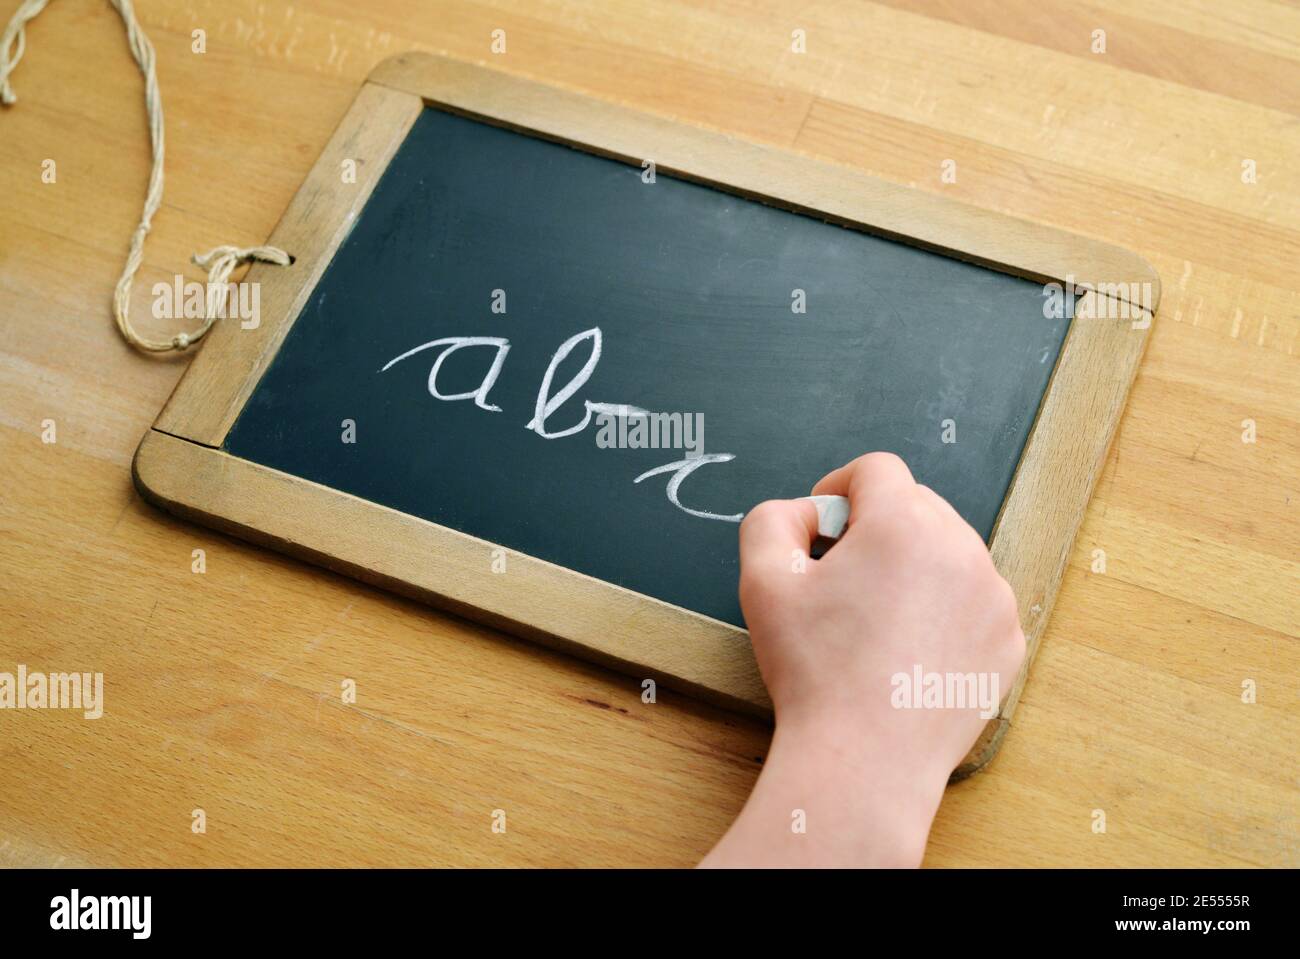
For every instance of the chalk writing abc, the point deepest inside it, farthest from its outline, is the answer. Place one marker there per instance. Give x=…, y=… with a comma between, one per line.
x=612, y=417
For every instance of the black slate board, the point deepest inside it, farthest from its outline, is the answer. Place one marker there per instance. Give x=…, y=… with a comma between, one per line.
x=691, y=289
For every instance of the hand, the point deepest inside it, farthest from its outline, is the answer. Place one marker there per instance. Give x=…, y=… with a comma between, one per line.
x=909, y=585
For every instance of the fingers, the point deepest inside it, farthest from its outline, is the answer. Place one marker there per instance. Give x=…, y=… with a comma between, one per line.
x=775, y=536
x=778, y=524
x=869, y=482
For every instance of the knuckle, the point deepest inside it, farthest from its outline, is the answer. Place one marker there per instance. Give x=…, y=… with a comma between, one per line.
x=914, y=511
x=1012, y=648
x=764, y=512
x=884, y=529
x=878, y=463
x=980, y=563
x=1009, y=606
x=971, y=564
x=896, y=521
x=751, y=529
x=1019, y=646
x=881, y=458
x=760, y=517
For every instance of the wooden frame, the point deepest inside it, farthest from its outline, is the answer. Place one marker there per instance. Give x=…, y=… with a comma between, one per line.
x=181, y=466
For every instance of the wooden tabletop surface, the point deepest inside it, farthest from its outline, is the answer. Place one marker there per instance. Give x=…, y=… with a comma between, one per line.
x=222, y=690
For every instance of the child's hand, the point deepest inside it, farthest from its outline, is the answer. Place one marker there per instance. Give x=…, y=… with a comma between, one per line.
x=909, y=584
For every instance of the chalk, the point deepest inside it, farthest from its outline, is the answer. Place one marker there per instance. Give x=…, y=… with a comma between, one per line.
x=832, y=515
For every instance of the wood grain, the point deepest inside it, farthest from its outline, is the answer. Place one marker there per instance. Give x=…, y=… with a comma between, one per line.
x=643, y=637
x=219, y=380
x=223, y=689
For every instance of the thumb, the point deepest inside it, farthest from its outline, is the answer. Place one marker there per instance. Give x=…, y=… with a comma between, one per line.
x=775, y=540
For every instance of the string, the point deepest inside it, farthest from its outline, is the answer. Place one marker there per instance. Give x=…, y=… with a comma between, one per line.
x=219, y=263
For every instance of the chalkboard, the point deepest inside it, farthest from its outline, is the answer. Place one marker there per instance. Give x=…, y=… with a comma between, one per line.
x=487, y=232
x=796, y=343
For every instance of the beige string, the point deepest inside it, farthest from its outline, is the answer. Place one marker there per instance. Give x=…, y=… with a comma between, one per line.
x=219, y=262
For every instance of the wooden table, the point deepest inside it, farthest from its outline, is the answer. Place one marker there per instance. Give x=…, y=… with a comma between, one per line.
x=223, y=689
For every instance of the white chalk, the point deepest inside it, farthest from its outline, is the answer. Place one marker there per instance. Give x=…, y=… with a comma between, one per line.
x=832, y=515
